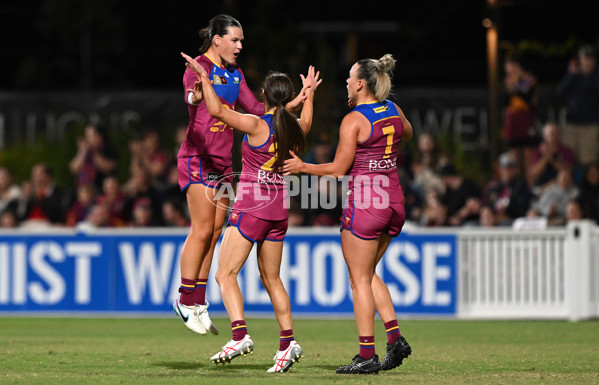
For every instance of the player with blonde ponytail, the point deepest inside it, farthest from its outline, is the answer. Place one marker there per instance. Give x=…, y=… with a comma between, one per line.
x=374, y=211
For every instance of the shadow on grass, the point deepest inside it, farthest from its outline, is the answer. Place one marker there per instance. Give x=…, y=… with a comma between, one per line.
x=179, y=365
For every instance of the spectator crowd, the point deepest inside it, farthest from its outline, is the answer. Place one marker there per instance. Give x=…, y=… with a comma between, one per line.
x=549, y=172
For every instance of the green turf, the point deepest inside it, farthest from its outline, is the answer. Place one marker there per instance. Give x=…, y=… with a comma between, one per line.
x=161, y=351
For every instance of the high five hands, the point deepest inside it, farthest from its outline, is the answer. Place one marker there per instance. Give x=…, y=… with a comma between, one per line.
x=202, y=76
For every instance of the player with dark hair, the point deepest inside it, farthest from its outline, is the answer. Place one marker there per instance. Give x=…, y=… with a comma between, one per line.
x=368, y=141
x=267, y=143
x=205, y=162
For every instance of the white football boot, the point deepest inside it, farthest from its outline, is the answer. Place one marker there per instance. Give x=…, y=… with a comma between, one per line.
x=284, y=359
x=202, y=311
x=234, y=349
x=190, y=317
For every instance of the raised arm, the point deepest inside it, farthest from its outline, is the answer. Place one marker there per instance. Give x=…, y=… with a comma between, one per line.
x=344, y=157
x=310, y=84
x=249, y=124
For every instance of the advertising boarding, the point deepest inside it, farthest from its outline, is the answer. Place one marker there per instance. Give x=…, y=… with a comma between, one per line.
x=138, y=272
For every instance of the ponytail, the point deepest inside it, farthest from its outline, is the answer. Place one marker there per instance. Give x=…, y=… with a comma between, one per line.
x=287, y=133
x=377, y=74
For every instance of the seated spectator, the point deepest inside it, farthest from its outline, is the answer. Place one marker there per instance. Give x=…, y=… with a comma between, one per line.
x=11, y=194
x=149, y=154
x=434, y=213
x=114, y=198
x=509, y=195
x=139, y=186
x=98, y=216
x=589, y=192
x=174, y=214
x=95, y=158
x=329, y=194
x=297, y=216
x=427, y=160
x=9, y=218
x=553, y=200
x=462, y=196
x=412, y=200
x=321, y=151
x=549, y=158
x=574, y=211
x=142, y=215
x=45, y=202
x=486, y=217
x=78, y=210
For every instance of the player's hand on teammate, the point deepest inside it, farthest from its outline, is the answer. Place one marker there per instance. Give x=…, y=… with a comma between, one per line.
x=292, y=165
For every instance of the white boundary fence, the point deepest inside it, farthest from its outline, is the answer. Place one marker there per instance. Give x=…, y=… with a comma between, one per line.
x=466, y=273
x=552, y=273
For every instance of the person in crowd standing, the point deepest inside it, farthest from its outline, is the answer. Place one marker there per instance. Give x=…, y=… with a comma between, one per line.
x=579, y=88
x=519, y=128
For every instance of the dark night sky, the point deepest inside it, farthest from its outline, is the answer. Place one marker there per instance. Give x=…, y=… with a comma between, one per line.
x=112, y=44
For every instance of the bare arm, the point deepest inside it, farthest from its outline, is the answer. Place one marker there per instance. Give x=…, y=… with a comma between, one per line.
x=408, y=132
x=249, y=124
x=344, y=157
x=311, y=83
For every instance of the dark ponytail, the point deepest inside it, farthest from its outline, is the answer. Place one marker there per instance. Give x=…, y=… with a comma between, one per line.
x=218, y=25
x=288, y=135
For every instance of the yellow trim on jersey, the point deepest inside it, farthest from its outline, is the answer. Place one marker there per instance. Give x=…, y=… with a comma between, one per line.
x=359, y=104
x=388, y=117
x=215, y=63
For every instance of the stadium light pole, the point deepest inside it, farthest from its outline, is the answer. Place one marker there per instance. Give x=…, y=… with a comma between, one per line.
x=491, y=23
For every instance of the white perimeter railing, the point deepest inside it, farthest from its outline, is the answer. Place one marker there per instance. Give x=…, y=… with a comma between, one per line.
x=551, y=273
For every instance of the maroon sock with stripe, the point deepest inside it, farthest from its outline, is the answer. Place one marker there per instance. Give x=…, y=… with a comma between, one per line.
x=200, y=291
x=366, y=347
x=239, y=329
x=392, y=329
x=285, y=339
x=187, y=290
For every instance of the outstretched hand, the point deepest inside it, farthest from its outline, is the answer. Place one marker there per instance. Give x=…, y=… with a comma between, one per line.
x=195, y=66
x=311, y=80
x=292, y=165
x=309, y=84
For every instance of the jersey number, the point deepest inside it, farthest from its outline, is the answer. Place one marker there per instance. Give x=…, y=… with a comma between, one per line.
x=389, y=131
x=268, y=165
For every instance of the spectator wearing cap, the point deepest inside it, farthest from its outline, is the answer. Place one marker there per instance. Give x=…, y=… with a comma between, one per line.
x=579, y=88
x=462, y=196
x=550, y=156
x=509, y=194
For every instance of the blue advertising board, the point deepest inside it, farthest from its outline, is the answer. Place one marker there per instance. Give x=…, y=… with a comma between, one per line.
x=129, y=271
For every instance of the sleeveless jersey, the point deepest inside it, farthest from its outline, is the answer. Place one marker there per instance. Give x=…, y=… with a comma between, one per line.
x=261, y=191
x=373, y=174
x=207, y=136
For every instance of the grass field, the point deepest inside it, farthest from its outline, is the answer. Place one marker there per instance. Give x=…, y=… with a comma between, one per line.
x=162, y=351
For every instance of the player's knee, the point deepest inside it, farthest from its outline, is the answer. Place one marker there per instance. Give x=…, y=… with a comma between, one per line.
x=223, y=276
x=201, y=233
x=269, y=281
